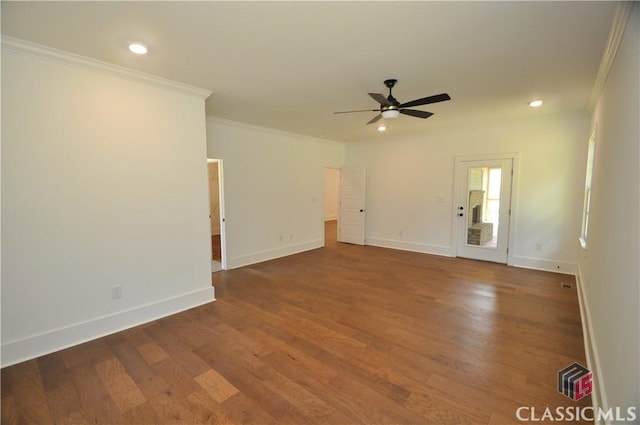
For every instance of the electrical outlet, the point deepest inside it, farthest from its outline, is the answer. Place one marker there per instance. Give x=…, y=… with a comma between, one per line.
x=116, y=292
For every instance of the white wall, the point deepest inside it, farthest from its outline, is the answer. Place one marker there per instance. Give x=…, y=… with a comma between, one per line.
x=331, y=193
x=609, y=271
x=273, y=189
x=104, y=182
x=410, y=187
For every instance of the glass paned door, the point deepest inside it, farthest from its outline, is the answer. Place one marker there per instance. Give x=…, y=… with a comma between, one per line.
x=484, y=194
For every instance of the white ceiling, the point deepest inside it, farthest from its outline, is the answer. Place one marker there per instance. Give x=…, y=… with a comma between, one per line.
x=290, y=65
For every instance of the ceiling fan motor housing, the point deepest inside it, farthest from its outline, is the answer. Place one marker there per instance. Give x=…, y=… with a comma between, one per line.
x=393, y=102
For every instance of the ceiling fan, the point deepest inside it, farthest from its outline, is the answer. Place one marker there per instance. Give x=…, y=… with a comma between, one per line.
x=391, y=108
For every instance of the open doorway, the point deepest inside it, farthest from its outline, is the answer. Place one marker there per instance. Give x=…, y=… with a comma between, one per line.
x=216, y=215
x=331, y=204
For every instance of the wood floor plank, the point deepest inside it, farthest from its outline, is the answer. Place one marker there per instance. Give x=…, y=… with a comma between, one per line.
x=91, y=352
x=142, y=414
x=341, y=335
x=370, y=406
x=436, y=412
x=137, y=336
x=152, y=352
x=29, y=397
x=245, y=411
x=95, y=399
x=64, y=403
x=283, y=346
x=248, y=377
x=215, y=386
x=311, y=407
x=190, y=362
x=133, y=362
x=160, y=395
x=182, y=384
x=120, y=385
x=53, y=370
x=9, y=412
x=215, y=413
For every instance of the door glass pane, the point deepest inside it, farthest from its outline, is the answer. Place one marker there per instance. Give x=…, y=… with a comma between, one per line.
x=483, y=207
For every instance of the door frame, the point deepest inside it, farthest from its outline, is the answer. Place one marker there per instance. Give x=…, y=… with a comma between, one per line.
x=223, y=227
x=455, y=228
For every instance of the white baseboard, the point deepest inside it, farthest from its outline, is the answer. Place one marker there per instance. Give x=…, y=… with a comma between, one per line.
x=409, y=246
x=272, y=254
x=546, y=265
x=598, y=395
x=38, y=345
x=447, y=251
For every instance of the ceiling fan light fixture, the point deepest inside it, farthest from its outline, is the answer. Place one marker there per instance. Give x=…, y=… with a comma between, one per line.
x=390, y=114
x=390, y=108
x=382, y=127
x=535, y=103
x=138, y=49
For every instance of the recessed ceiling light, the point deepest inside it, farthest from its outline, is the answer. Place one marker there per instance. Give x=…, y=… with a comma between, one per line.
x=138, y=48
x=382, y=127
x=535, y=103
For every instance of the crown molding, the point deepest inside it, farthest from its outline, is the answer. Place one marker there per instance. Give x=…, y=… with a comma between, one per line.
x=620, y=19
x=217, y=120
x=10, y=44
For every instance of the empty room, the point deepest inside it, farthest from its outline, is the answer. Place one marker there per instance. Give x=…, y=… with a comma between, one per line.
x=301, y=212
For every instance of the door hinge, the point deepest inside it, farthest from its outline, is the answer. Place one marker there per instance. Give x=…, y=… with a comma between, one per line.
x=507, y=250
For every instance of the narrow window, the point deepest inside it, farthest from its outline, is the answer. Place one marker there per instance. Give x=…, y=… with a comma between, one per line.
x=586, y=211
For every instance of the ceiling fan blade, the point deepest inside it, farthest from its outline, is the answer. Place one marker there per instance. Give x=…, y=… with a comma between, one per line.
x=426, y=100
x=361, y=110
x=379, y=98
x=416, y=113
x=374, y=119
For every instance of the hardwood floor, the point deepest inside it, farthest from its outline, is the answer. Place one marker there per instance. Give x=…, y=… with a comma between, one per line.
x=330, y=232
x=216, y=248
x=340, y=335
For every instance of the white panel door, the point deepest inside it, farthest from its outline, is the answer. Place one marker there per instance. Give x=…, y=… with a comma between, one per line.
x=484, y=208
x=351, y=212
